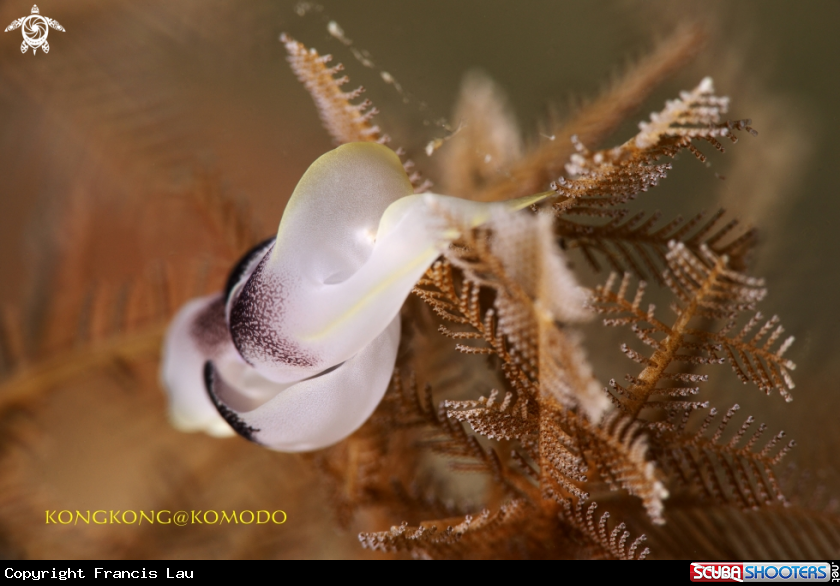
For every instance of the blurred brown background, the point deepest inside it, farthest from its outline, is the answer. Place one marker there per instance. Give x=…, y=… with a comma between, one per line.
x=139, y=102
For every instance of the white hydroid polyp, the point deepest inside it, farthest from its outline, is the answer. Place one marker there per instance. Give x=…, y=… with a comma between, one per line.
x=300, y=349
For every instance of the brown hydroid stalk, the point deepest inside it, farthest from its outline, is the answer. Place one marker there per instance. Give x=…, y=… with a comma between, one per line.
x=344, y=119
x=647, y=380
x=32, y=381
x=595, y=121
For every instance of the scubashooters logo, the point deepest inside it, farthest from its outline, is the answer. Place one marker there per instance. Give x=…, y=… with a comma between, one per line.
x=760, y=572
x=35, y=30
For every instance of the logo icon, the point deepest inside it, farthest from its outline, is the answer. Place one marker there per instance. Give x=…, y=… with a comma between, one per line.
x=35, y=30
x=797, y=572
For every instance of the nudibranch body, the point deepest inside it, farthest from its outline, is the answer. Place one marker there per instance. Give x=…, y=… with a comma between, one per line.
x=299, y=349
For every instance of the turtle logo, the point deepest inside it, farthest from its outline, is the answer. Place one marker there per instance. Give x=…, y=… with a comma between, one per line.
x=35, y=30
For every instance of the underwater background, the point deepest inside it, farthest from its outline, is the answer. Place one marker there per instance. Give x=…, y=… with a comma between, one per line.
x=137, y=104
